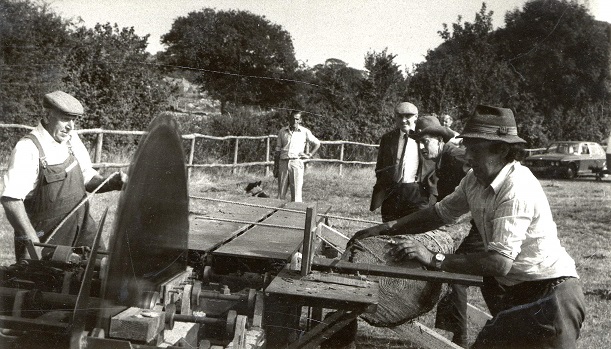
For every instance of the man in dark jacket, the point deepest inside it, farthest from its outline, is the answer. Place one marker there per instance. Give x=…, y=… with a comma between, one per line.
x=404, y=181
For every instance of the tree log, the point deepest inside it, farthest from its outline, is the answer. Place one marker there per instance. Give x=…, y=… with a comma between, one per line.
x=402, y=300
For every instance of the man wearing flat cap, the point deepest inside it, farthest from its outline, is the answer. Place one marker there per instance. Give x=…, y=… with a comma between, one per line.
x=403, y=177
x=531, y=284
x=49, y=173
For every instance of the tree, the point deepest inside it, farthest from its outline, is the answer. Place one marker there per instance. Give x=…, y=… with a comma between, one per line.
x=243, y=58
x=33, y=43
x=331, y=99
x=561, y=56
x=109, y=70
x=463, y=71
x=382, y=88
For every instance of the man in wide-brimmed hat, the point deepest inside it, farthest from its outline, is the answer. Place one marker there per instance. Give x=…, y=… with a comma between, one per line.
x=531, y=284
x=436, y=144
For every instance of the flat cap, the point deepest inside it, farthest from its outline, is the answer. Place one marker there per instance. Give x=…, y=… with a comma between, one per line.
x=63, y=102
x=406, y=108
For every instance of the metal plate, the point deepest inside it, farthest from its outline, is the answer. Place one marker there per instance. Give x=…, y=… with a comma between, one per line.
x=149, y=240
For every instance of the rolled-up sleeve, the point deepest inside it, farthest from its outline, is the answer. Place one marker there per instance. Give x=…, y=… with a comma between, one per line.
x=22, y=173
x=311, y=138
x=83, y=158
x=511, y=222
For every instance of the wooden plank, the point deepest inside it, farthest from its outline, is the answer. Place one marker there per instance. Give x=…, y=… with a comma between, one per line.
x=333, y=237
x=423, y=337
x=137, y=324
x=206, y=235
x=304, y=291
x=266, y=242
x=476, y=316
x=336, y=279
x=324, y=330
x=396, y=272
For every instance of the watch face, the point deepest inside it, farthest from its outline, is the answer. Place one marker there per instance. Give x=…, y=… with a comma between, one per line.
x=440, y=257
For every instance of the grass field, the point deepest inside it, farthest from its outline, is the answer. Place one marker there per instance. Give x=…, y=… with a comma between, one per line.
x=582, y=210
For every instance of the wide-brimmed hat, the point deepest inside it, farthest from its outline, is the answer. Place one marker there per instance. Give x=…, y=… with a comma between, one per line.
x=430, y=125
x=492, y=123
x=63, y=102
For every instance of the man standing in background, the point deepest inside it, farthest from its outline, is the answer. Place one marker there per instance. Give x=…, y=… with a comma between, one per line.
x=290, y=152
x=404, y=180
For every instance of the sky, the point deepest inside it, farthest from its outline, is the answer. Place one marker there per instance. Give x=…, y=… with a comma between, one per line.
x=320, y=29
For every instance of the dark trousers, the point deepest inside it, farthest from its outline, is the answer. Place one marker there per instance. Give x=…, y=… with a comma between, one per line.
x=534, y=314
x=452, y=308
x=403, y=199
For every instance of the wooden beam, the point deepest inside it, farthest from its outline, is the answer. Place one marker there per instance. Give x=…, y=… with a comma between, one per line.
x=396, y=272
x=421, y=336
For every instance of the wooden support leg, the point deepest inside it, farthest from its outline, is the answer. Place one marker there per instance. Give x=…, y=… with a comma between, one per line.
x=308, y=240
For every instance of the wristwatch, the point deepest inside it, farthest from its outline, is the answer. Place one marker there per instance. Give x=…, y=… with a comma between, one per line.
x=438, y=259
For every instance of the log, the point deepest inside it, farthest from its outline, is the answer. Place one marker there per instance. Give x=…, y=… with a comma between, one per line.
x=402, y=300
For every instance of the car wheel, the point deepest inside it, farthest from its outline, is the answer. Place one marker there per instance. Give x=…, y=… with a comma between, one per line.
x=571, y=171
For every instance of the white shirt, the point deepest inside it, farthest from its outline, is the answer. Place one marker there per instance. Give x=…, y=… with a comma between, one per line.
x=410, y=160
x=21, y=177
x=292, y=143
x=514, y=218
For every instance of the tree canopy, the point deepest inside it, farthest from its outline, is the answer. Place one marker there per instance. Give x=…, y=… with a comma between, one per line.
x=550, y=64
x=32, y=39
x=106, y=68
x=242, y=57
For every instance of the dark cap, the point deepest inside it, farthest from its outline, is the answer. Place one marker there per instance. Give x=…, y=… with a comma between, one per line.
x=64, y=103
x=429, y=125
x=493, y=124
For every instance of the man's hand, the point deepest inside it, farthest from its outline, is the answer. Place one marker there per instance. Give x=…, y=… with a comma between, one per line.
x=305, y=155
x=117, y=180
x=365, y=233
x=411, y=249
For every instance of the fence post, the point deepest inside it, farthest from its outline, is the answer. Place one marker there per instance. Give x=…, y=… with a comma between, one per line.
x=191, y=153
x=267, y=157
x=341, y=158
x=235, y=155
x=98, y=148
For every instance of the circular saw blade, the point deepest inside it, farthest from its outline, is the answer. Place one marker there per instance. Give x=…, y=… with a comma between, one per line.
x=149, y=241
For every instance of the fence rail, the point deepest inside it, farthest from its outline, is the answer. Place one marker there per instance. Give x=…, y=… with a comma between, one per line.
x=193, y=137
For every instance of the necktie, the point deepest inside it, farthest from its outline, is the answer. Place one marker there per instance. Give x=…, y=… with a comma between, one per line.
x=399, y=174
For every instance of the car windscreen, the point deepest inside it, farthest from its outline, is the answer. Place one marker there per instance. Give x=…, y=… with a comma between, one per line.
x=563, y=148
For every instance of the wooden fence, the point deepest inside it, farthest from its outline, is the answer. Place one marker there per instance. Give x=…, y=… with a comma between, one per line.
x=97, y=154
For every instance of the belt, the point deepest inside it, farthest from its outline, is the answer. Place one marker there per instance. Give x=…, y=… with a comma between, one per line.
x=547, y=282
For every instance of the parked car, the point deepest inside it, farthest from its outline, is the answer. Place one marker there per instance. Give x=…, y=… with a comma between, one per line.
x=568, y=159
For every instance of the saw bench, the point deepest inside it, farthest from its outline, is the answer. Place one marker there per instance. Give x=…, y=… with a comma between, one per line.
x=235, y=275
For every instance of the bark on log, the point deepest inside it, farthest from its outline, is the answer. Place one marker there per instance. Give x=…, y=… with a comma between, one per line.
x=402, y=300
